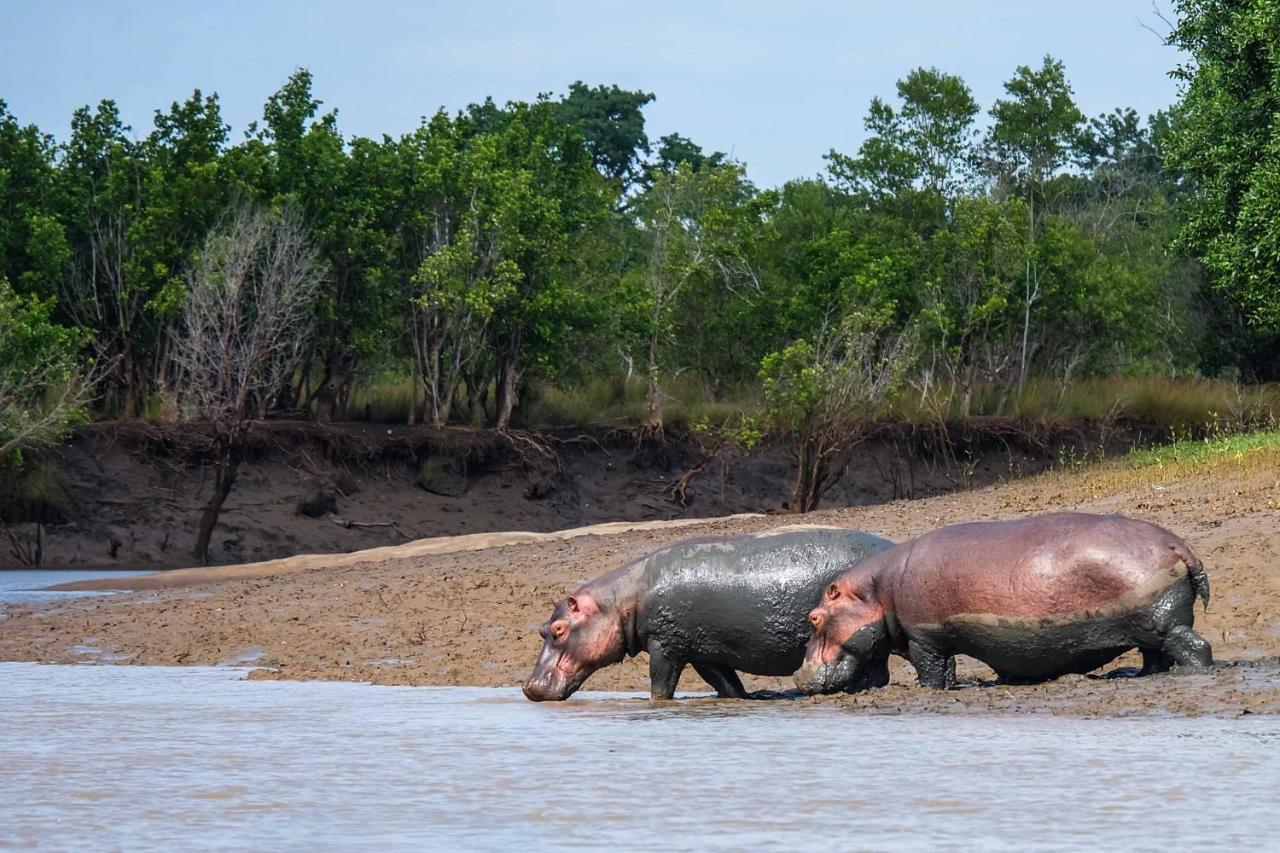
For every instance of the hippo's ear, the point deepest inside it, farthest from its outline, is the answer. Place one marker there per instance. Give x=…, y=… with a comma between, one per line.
x=581, y=605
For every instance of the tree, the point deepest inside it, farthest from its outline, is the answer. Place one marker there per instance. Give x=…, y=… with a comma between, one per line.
x=674, y=149
x=244, y=323
x=1227, y=145
x=33, y=249
x=924, y=144
x=968, y=303
x=45, y=379
x=692, y=231
x=1034, y=129
x=553, y=201
x=823, y=395
x=102, y=175
x=611, y=122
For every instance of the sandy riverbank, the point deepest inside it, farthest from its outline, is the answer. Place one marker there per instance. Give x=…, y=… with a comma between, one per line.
x=465, y=611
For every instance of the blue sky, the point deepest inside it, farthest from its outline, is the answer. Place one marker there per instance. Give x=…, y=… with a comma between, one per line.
x=777, y=84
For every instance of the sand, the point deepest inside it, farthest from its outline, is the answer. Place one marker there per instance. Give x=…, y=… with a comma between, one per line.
x=464, y=610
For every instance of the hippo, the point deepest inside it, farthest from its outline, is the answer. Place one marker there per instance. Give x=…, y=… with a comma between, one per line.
x=1034, y=599
x=723, y=605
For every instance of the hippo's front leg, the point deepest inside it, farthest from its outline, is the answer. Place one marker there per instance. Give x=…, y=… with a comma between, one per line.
x=664, y=672
x=722, y=679
x=934, y=668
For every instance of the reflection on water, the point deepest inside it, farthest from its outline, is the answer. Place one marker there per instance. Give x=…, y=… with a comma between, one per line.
x=168, y=758
x=25, y=586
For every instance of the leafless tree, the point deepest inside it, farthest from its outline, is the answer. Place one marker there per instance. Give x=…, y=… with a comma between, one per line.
x=247, y=316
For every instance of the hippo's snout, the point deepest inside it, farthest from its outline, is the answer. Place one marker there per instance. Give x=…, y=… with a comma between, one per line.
x=830, y=677
x=538, y=691
x=552, y=686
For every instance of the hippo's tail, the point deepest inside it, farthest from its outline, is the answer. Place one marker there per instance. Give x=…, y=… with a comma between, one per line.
x=1195, y=571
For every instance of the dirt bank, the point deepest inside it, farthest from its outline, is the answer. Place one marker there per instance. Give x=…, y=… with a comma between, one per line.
x=452, y=616
x=128, y=495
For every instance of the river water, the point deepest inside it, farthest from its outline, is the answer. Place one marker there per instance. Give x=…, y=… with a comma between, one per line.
x=102, y=757
x=24, y=586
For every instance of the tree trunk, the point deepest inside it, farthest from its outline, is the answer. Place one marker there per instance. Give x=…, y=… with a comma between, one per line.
x=506, y=393
x=224, y=479
x=413, y=394
x=1026, y=303
x=810, y=472
x=653, y=420
x=329, y=394
x=966, y=401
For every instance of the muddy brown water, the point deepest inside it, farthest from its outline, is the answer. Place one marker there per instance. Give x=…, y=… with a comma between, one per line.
x=107, y=757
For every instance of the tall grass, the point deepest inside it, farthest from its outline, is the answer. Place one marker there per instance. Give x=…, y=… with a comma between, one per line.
x=1175, y=405
x=1183, y=407
x=383, y=400
x=624, y=402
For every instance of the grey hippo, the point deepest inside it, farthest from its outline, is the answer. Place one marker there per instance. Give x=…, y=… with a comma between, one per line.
x=721, y=605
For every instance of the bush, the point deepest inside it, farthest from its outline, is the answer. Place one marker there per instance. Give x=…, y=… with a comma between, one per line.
x=44, y=380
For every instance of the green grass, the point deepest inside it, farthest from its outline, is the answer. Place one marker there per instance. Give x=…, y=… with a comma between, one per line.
x=1195, y=451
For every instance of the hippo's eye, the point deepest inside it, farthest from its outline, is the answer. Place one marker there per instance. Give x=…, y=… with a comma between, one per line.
x=833, y=592
x=559, y=629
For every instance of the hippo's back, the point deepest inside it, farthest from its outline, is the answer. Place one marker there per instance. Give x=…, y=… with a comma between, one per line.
x=1036, y=568
x=743, y=602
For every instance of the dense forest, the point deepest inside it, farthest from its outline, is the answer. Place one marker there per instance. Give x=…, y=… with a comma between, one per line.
x=962, y=254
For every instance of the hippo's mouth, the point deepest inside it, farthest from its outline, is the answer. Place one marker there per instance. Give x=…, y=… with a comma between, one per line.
x=555, y=683
x=833, y=676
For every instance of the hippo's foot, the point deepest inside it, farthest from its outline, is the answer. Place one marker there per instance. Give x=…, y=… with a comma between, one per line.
x=1154, y=661
x=664, y=673
x=934, y=668
x=723, y=680
x=1185, y=648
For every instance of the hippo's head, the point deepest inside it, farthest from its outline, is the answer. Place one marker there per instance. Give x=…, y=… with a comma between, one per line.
x=580, y=637
x=849, y=647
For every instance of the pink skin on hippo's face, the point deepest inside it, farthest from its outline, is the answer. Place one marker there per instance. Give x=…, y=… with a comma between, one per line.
x=578, y=639
x=847, y=645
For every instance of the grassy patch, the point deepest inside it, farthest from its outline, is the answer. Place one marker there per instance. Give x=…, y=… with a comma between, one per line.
x=1197, y=451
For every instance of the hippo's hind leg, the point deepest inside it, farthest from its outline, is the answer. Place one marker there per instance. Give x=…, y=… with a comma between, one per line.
x=1155, y=661
x=664, y=672
x=1187, y=648
x=1164, y=632
x=725, y=681
x=934, y=668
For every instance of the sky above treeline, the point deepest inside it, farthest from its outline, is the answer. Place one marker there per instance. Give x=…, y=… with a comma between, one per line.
x=776, y=84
